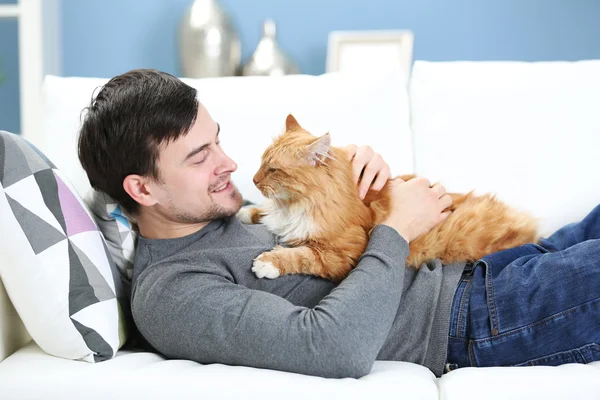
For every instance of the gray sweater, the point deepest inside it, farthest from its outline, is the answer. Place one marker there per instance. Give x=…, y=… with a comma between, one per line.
x=196, y=298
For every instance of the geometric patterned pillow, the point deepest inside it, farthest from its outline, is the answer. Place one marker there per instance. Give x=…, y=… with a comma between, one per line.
x=54, y=262
x=118, y=228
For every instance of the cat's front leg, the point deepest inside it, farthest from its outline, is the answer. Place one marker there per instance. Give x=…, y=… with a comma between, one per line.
x=284, y=260
x=250, y=214
x=300, y=260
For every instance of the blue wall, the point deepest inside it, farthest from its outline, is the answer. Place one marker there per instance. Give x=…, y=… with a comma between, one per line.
x=9, y=68
x=108, y=37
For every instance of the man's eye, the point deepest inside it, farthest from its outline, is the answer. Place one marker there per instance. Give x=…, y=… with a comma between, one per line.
x=202, y=157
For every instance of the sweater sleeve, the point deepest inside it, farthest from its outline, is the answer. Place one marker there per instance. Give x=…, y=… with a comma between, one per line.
x=209, y=319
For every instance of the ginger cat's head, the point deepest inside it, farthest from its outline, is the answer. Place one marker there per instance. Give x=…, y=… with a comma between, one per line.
x=298, y=164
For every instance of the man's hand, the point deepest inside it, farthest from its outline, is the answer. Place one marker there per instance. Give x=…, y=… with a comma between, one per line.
x=368, y=167
x=416, y=207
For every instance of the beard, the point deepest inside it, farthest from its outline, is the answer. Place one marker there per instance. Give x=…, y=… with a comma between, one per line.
x=214, y=211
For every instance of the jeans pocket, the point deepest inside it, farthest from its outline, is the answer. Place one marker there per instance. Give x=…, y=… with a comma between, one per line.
x=582, y=355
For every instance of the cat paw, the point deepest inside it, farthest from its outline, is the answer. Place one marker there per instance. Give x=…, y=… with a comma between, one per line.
x=245, y=214
x=265, y=269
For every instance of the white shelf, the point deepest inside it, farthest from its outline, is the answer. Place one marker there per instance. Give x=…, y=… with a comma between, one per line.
x=9, y=11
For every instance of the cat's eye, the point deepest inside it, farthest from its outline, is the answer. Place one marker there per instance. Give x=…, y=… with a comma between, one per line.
x=272, y=170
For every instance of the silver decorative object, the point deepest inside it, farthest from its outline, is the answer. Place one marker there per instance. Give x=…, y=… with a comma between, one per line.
x=209, y=44
x=268, y=58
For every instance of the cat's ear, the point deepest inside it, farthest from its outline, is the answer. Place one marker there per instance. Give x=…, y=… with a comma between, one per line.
x=291, y=124
x=318, y=150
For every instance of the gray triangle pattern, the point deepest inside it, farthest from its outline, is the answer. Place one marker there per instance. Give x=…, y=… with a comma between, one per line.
x=45, y=179
x=124, y=235
x=15, y=165
x=81, y=293
x=95, y=342
x=116, y=274
x=102, y=291
x=39, y=153
x=40, y=234
x=35, y=162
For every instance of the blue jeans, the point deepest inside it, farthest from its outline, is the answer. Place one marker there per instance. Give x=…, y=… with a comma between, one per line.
x=537, y=304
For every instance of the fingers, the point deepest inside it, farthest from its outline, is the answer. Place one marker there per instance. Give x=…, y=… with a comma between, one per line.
x=395, y=181
x=445, y=215
x=373, y=168
x=382, y=178
x=439, y=190
x=369, y=168
x=421, y=182
x=445, y=201
x=362, y=157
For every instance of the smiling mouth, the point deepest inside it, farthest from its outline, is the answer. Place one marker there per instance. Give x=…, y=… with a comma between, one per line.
x=221, y=188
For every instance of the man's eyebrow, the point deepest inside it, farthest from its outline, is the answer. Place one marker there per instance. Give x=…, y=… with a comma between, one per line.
x=199, y=149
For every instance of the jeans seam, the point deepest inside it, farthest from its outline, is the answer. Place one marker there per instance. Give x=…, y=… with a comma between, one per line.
x=461, y=311
x=461, y=339
x=490, y=300
x=540, y=322
x=577, y=353
x=472, y=360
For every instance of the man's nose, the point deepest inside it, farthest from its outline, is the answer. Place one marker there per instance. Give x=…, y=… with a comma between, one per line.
x=226, y=164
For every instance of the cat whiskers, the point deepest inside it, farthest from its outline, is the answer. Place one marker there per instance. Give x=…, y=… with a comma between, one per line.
x=272, y=194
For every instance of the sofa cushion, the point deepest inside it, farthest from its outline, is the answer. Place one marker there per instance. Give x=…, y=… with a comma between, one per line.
x=55, y=265
x=567, y=381
x=31, y=374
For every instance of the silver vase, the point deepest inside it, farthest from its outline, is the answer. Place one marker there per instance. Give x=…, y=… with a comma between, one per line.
x=268, y=58
x=209, y=45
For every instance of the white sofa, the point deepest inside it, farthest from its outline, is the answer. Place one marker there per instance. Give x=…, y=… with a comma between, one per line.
x=528, y=131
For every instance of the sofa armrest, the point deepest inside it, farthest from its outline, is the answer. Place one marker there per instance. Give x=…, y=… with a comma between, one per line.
x=13, y=334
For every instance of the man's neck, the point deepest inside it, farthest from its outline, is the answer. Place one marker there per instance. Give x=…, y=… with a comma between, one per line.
x=156, y=226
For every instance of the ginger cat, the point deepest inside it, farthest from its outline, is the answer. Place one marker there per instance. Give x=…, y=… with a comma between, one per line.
x=313, y=205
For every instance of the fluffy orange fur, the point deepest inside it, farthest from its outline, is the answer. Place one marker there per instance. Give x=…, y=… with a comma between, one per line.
x=315, y=207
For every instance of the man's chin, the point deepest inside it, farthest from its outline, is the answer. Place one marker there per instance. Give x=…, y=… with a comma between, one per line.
x=236, y=200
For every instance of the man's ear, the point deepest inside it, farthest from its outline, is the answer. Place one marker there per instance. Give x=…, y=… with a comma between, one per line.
x=138, y=188
x=318, y=150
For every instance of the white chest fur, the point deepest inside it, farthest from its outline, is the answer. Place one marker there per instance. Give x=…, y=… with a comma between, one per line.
x=291, y=223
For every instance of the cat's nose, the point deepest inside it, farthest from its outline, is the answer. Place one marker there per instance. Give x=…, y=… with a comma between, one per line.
x=255, y=181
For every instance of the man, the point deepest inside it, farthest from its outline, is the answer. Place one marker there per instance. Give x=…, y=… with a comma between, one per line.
x=149, y=143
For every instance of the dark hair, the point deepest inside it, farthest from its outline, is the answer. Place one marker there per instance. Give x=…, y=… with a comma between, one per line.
x=132, y=115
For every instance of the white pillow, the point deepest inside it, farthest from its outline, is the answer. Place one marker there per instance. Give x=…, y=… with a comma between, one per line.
x=55, y=265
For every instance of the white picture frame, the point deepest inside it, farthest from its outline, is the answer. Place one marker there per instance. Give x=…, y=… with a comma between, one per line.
x=370, y=52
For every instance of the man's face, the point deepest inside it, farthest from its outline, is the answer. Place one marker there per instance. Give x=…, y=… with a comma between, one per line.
x=195, y=176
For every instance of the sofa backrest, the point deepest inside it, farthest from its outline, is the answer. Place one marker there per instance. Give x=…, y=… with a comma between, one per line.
x=529, y=132
x=251, y=111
